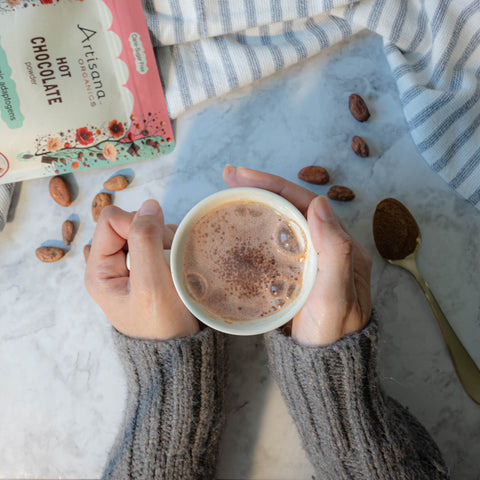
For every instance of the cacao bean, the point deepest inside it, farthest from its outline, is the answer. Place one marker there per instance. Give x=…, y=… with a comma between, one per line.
x=59, y=191
x=49, y=254
x=340, y=193
x=86, y=252
x=68, y=232
x=116, y=183
x=314, y=174
x=100, y=201
x=360, y=147
x=358, y=108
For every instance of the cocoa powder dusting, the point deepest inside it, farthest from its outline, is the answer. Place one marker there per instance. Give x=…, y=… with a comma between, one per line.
x=247, y=269
x=394, y=229
x=244, y=260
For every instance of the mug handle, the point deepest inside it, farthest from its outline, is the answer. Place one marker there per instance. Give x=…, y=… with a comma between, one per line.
x=165, y=252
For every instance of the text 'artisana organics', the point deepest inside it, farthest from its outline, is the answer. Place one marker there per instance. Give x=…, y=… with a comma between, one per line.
x=52, y=68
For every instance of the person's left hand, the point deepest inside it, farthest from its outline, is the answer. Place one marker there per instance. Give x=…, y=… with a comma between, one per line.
x=142, y=303
x=339, y=303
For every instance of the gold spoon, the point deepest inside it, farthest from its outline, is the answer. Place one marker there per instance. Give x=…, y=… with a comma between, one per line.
x=398, y=238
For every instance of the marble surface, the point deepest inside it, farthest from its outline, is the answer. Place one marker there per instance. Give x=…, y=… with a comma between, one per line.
x=62, y=386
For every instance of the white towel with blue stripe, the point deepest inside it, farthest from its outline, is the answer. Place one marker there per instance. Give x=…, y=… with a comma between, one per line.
x=6, y=192
x=207, y=48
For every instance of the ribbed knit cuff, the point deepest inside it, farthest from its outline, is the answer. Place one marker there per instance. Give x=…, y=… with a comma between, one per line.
x=349, y=427
x=175, y=407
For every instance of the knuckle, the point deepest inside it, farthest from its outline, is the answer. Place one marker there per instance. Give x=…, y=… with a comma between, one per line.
x=142, y=232
x=107, y=212
x=344, y=246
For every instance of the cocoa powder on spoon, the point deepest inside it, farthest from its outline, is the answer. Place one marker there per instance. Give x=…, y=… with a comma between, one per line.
x=394, y=229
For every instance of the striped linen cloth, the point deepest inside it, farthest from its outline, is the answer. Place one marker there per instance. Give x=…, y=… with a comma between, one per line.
x=6, y=192
x=207, y=48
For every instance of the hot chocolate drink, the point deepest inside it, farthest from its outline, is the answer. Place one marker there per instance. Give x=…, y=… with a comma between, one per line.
x=244, y=260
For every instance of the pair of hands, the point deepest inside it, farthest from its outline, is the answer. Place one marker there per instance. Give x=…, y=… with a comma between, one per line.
x=144, y=302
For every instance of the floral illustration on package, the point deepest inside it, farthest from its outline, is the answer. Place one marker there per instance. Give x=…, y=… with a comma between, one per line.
x=79, y=87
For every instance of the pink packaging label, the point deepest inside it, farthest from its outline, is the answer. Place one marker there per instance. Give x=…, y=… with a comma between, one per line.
x=79, y=87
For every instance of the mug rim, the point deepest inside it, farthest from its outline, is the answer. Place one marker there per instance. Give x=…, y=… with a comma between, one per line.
x=252, y=326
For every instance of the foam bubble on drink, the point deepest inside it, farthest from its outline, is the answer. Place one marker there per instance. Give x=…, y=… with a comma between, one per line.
x=197, y=285
x=244, y=260
x=288, y=240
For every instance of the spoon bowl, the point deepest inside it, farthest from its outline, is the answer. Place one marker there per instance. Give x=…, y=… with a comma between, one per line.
x=398, y=239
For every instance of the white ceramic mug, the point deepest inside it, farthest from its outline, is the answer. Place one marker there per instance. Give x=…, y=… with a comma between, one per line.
x=256, y=325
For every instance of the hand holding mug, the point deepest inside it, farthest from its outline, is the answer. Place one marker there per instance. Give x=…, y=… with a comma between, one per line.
x=144, y=302
x=339, y=303
x=242, y=261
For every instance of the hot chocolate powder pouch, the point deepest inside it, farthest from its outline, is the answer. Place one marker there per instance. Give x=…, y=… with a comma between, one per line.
x=79, y=87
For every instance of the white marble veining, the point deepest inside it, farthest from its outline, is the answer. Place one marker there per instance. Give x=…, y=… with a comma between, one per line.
x=62, y=387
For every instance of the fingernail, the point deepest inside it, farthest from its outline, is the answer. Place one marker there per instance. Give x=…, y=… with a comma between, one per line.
x=149, y=207
x=229, y=171
x=323, y=208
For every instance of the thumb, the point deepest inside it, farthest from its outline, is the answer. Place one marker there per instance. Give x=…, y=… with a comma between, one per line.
x=335, y=282
x=148, y=266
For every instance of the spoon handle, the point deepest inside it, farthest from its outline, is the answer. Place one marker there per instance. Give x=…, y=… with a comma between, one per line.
x=467, y=370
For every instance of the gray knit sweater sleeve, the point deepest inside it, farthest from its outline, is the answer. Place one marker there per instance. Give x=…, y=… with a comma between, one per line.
x=349, y=428
x=175, y=408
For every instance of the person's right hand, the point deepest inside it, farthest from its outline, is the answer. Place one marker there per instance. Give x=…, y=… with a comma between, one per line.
x=339, y=303
x=142, y=303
